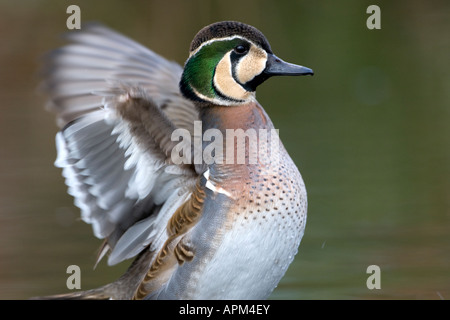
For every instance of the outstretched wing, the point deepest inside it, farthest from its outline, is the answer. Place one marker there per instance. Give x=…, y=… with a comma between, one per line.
x=117, y=103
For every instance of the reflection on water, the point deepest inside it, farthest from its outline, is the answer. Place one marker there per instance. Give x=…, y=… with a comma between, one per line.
x=369, y=133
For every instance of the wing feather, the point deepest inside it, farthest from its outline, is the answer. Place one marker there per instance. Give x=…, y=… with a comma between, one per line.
x=117, y=103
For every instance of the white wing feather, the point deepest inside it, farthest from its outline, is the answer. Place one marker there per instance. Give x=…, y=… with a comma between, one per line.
x=123, y=189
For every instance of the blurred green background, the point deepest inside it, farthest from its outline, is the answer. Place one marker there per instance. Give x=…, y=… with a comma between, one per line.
x=370, y=133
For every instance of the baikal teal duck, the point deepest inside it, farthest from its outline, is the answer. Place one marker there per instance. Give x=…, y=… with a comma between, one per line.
x=214, y=228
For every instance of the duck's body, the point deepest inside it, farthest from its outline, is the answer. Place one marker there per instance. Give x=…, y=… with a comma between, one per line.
x=209, y=230
x=248, y=234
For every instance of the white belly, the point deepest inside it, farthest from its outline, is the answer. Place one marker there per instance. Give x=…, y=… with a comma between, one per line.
x=251, y=260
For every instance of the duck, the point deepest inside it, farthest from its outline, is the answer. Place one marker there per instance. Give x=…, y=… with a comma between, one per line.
x=179, y=168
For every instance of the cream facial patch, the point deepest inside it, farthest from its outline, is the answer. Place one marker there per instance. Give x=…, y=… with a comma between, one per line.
x=225, y=83
x=251, y=65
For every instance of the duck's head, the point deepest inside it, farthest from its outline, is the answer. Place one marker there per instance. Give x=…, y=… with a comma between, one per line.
x=227, y=61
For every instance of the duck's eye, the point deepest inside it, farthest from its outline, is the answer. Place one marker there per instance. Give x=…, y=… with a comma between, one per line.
x=240, y=49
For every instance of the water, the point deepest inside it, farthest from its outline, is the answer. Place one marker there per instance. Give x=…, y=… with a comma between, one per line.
x=369, y=133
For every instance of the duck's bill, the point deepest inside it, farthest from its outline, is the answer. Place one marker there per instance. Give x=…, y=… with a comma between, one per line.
x=277, y=67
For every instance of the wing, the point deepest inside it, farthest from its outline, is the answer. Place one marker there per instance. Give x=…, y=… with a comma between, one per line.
x=117, y=103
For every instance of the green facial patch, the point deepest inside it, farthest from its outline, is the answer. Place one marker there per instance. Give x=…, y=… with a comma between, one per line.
x=199, y=69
